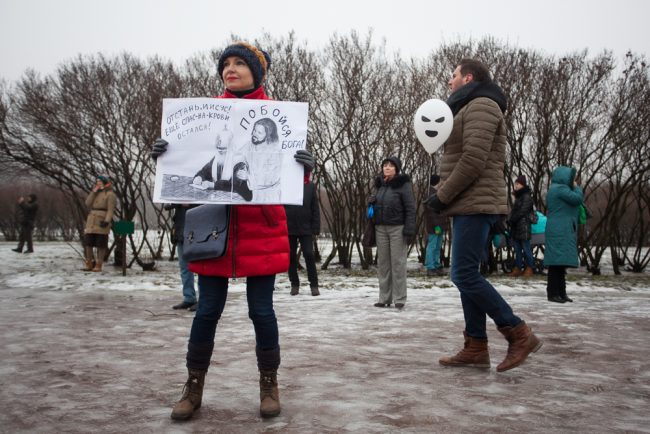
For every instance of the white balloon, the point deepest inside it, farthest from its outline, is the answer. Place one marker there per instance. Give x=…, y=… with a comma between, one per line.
x=433, y=123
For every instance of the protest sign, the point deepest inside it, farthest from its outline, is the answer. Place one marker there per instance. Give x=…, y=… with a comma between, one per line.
x=231, y=151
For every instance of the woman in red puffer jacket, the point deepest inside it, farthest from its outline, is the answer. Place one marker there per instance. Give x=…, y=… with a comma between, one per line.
x=258, y=249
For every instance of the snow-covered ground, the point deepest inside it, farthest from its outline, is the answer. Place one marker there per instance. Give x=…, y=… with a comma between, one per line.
x=101, y=352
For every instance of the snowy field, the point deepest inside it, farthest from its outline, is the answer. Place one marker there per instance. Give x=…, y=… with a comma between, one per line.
x=100, y=352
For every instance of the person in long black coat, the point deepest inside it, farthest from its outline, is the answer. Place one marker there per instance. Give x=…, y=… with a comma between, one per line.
x=28, y=209
x=303, y=222
x=519, y=221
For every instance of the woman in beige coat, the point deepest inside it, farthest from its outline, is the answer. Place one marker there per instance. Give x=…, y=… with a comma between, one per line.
x=101, y=202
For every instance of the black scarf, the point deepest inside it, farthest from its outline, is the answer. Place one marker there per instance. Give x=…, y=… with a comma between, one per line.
x=477, y=89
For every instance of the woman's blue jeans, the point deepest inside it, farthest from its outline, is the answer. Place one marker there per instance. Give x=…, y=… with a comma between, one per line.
x=478, y=297
x=187, y=277
x=523, y=252
x=214, y=291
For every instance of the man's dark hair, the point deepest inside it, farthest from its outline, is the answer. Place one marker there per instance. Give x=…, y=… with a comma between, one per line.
x=478, y=69
x=270, y=127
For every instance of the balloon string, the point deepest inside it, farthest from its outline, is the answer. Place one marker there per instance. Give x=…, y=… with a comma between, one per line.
x=429, y=176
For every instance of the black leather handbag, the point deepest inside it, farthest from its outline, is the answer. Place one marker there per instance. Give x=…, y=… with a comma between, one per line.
x=205, y=235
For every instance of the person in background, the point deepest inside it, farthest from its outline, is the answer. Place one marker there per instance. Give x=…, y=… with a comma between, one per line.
x=473, y=192
x=519, y=222
x=563, y=202
x=258, y=249
x=437, y=224
x=303, y=222
x=264, y=161
x=28, y=209
x=225, y=172
x=101, y=202
x=394, y=216
x=187, y=277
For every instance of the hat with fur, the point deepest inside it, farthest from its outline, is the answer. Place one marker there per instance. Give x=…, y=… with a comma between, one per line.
x=257, y=60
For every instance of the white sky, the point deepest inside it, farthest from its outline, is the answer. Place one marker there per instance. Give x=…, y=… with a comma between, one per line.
x=40, y=34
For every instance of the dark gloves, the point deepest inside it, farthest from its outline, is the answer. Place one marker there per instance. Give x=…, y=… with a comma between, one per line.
x=434, y=203
x=305, y=158
x=103, y=224
x=409, y=239
x=158, y=148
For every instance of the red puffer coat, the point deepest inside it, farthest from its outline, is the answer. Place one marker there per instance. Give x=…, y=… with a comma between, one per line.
x=258, y=242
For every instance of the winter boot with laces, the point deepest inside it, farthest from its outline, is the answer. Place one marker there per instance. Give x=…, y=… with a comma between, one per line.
x=474, y=354
x=268, y=362
x=269, y=394
x=521, y=342
x=192, y=395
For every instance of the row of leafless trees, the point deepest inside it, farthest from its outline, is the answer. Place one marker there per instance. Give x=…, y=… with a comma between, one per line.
x=99, y=114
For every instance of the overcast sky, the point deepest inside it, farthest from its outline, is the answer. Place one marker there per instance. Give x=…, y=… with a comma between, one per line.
x=40, y=34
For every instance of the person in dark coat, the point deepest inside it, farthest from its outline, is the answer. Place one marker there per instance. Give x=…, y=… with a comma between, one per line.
x=437, y=224
x=519, y=222
x=187, y=277
x=303, y=222
x=28, y=209
x=563, y=202
x=222, y=172
x=394, y=216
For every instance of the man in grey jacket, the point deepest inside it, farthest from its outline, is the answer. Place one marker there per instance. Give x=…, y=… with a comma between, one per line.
x=473, y=193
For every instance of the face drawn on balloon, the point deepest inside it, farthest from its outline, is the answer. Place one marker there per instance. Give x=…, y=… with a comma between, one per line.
x=432, y=133
x=433, y=122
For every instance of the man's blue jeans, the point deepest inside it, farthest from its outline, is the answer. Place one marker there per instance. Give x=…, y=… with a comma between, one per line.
x=478, y=297
x=259, y=294
x=187, y=277
x=432, y=254
x=523, y=252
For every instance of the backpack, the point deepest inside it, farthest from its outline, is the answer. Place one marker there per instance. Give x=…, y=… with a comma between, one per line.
x=583, y=215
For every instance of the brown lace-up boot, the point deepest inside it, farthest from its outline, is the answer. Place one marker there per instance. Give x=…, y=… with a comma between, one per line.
x=475, y=354
x=521, y=342
x=516, y=272
x=528, y=272
x=269, y=394
x=268, y=362
x=192, y=395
